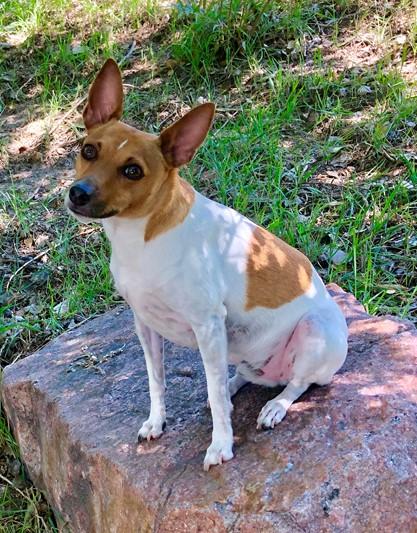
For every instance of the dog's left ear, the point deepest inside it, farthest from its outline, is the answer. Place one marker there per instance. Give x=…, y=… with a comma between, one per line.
x=180, y=141
x=105, y=97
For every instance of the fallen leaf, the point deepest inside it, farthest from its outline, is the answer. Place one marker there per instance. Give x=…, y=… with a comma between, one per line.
x=62, y=308
x=364, y=89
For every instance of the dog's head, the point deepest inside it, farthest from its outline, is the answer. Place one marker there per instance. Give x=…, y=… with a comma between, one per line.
x=120, y=170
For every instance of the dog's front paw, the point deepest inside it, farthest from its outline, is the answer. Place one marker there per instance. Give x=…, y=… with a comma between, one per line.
x=217, y=453
x=151, y=429
x=272, y=413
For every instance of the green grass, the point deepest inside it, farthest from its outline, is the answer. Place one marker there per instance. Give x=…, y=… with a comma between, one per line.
x=209, y=34
x=319, y=151
x=22, y=508
x=62, y=44
x=74, y=269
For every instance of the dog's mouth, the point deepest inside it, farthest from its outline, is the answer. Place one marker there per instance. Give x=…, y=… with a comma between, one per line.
x=89, y=212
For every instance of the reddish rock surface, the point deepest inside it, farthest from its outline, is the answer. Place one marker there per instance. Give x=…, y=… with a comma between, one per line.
x=343, y=460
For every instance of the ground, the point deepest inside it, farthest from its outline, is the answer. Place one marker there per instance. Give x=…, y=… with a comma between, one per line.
x=314, y=138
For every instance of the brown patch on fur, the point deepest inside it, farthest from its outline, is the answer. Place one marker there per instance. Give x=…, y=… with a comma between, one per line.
x=277, y=273
x=172, y=209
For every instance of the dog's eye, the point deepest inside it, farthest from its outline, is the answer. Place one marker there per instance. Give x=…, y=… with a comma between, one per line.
x=132, y=172
x=89, y=152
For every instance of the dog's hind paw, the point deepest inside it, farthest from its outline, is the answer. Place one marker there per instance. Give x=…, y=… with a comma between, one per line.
x=151, y=429
x=271, y=415
x=217, y=453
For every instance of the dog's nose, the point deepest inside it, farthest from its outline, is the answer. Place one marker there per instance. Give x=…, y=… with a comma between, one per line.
x=81, y=193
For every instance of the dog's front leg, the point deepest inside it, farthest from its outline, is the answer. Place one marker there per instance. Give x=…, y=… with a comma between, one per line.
x=212, y=341
x=153, y=349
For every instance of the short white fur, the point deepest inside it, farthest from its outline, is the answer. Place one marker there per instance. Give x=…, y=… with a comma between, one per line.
x=189, y=286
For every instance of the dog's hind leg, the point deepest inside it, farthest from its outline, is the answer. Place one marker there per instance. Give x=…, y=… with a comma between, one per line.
x=236, y=382
x=318, y=347
x=274, y=411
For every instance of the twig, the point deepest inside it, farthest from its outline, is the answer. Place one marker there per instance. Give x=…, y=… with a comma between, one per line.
x=41, y=254
x=67, y=114
x=166, y=119
x=228, y=109
x=78, y=324
x=129, y=52
x=27, y=499
x=26, y=83
x=87, y=231
x=15, y=488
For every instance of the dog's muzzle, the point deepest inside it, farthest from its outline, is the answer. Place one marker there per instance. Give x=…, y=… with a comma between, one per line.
x=82, y=203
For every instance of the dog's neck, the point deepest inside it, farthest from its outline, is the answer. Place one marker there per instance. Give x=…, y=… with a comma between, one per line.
x=172, y=204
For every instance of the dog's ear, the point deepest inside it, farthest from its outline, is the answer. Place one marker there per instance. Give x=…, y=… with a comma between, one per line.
x=105, y=97
x=180, y=141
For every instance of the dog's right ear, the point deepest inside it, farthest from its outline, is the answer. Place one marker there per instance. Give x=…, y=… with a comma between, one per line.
x=105, y=97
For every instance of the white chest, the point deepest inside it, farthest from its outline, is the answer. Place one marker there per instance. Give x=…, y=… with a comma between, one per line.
x=144, y=275
x=154, y=307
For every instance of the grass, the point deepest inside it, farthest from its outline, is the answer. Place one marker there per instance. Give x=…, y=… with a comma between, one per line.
x=314, y=138
x=209, y=34
x=60, y=294
x=22, y=508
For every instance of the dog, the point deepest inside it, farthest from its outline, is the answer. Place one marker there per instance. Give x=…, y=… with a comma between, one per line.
x=199, y=273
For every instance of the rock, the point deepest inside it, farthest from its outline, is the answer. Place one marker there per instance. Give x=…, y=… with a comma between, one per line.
x=343, y=460
x=338, y=257
x=77, y=48
x=401, y=39
x=364, y=89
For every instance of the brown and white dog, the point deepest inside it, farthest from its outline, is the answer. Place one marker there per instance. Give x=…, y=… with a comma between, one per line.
x=199, y=273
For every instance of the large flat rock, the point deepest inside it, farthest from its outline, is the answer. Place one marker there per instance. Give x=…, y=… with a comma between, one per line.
x=343, y=460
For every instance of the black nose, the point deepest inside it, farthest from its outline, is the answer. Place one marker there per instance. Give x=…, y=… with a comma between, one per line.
x=81, y=193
